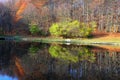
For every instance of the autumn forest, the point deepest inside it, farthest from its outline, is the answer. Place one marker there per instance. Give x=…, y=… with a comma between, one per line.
x=43, y=17
x=59, y=39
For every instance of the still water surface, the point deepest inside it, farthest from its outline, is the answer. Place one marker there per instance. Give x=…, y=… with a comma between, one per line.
x=38, y=61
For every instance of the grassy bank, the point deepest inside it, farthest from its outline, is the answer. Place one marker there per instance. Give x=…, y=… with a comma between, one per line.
x=91, y=41
x=108, y=43
x=112, y=44
x=113, y=41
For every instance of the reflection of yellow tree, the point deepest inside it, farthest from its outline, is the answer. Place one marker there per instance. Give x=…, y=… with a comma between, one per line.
x=62, y=53
x=85, y=54
x=69, y=55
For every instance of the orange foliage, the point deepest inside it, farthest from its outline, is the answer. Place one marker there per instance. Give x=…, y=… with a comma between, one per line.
x=22, y=4
x=19, y=67
x=21, y=7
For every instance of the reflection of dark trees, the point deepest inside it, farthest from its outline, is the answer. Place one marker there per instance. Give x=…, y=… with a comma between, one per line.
x=5, y=54
x=41, y=66
x=105, y=67
x=9, y=51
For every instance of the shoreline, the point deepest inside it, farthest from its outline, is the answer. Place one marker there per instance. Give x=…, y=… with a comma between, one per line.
x=86, y=41
x=108, y=44
x=89, y=41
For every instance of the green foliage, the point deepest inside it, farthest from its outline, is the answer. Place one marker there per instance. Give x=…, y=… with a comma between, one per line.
x=54, y=30
x=33, y=50
x=72, y=29
x=87, y=28
x=62, y=53
x=71, y=55
x=85, y=54
x=34, y=29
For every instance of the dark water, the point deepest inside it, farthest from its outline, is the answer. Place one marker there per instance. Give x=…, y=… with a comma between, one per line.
x=38, y=61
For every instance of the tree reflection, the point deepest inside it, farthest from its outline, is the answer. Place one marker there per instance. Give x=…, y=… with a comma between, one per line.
x=62, y=53
x=33, y=50
x=33, y=61
x=71, y=55
x=86, y=54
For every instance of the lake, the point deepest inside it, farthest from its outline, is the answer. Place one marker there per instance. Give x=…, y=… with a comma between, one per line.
x=40, y=61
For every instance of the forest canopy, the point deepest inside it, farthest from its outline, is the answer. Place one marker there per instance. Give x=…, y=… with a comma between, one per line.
x=45, y=13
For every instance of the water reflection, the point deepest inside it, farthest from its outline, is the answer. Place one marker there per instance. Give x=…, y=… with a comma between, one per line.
x=74, y=54
x=37, y=61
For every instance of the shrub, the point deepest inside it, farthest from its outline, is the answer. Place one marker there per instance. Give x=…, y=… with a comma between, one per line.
x=87, y=28
x=54, y=30
x=34, y=29
x=72, y=29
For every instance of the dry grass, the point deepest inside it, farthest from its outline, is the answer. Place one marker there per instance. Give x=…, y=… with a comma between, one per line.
x=106, y=37
x=110, y=38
